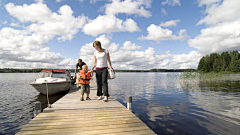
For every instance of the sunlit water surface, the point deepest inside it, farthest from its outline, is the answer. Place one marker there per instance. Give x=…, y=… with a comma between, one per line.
x=162, y=101
x=17, y=99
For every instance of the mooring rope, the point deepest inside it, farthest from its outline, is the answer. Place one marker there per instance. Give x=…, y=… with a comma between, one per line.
x=47, y=95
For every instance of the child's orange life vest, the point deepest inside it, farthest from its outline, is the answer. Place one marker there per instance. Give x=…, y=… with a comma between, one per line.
x=85, y=78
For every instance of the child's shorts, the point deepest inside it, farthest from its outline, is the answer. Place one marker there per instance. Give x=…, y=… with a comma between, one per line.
x=85, y=88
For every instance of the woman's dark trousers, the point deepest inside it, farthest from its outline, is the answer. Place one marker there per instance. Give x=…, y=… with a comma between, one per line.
x=101, y=76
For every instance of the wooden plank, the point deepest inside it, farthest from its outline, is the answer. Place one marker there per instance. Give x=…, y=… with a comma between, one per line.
x=123, y=120
x=84, y=126
x=90, y=131
x=71, y=116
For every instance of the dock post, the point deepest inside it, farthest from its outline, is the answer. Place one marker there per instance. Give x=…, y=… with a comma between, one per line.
x=37, y=108
x=129, y=103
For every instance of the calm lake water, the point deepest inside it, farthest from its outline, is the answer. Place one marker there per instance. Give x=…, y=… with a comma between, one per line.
x=162, y=101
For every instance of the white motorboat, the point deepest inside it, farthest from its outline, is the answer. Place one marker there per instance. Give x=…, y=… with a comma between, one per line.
x=52, y=81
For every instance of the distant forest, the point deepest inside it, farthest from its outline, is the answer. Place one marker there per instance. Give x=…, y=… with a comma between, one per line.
x=36, y=70
x=227, y=61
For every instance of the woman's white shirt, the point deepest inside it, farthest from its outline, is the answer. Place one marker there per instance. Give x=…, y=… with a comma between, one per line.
x=101, y=58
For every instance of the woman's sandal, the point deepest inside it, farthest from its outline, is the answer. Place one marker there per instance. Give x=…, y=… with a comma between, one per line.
x=81, y=99
x=88, y=98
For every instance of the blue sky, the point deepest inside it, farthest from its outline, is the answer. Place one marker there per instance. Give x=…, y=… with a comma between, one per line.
x=139, y=34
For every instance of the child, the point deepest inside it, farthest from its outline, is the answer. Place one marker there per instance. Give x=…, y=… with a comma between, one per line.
x=85, y=77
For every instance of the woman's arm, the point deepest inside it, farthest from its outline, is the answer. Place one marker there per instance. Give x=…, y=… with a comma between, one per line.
x=91, y=73
x=95, y=63
x=110, y=64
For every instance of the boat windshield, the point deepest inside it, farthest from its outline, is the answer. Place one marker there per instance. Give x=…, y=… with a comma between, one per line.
x=44, y=74
x=54, y=74
x=59, y=75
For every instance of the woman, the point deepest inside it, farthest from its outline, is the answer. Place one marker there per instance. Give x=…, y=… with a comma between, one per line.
x=101, y=56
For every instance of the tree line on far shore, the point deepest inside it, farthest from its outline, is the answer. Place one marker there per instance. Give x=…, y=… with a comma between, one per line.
x=36, y=70
x=226, y=61
x=172, y=70
x=14, y=70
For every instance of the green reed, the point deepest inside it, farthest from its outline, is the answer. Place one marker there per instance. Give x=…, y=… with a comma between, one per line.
x=209, y=77
x=190, y=82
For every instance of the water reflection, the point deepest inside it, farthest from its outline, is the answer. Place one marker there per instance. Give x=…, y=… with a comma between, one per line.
x=16, y=101
x=221, y=97
x=161, y=100
x=43, y=98
x=219, y=101
x=53, y=98
x=170, y=107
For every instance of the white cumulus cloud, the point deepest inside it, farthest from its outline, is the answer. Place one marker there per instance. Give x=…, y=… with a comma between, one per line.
x=217, y=12
x=169, y=23
x=27, y=48
x=129, y=7
x=218, y=38
x=157, y=33
x=207, y=2
x=21, y=49
x=128, y=45
x=223, y=31
x=46, y=22
x=109, y=24
x=172, y=2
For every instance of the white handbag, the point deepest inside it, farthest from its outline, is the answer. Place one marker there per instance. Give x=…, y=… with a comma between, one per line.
x=111, y=75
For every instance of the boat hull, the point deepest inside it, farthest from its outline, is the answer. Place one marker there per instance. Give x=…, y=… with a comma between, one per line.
x=53, y=87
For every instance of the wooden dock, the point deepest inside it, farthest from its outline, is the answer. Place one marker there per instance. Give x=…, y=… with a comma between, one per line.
x=71, y=116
